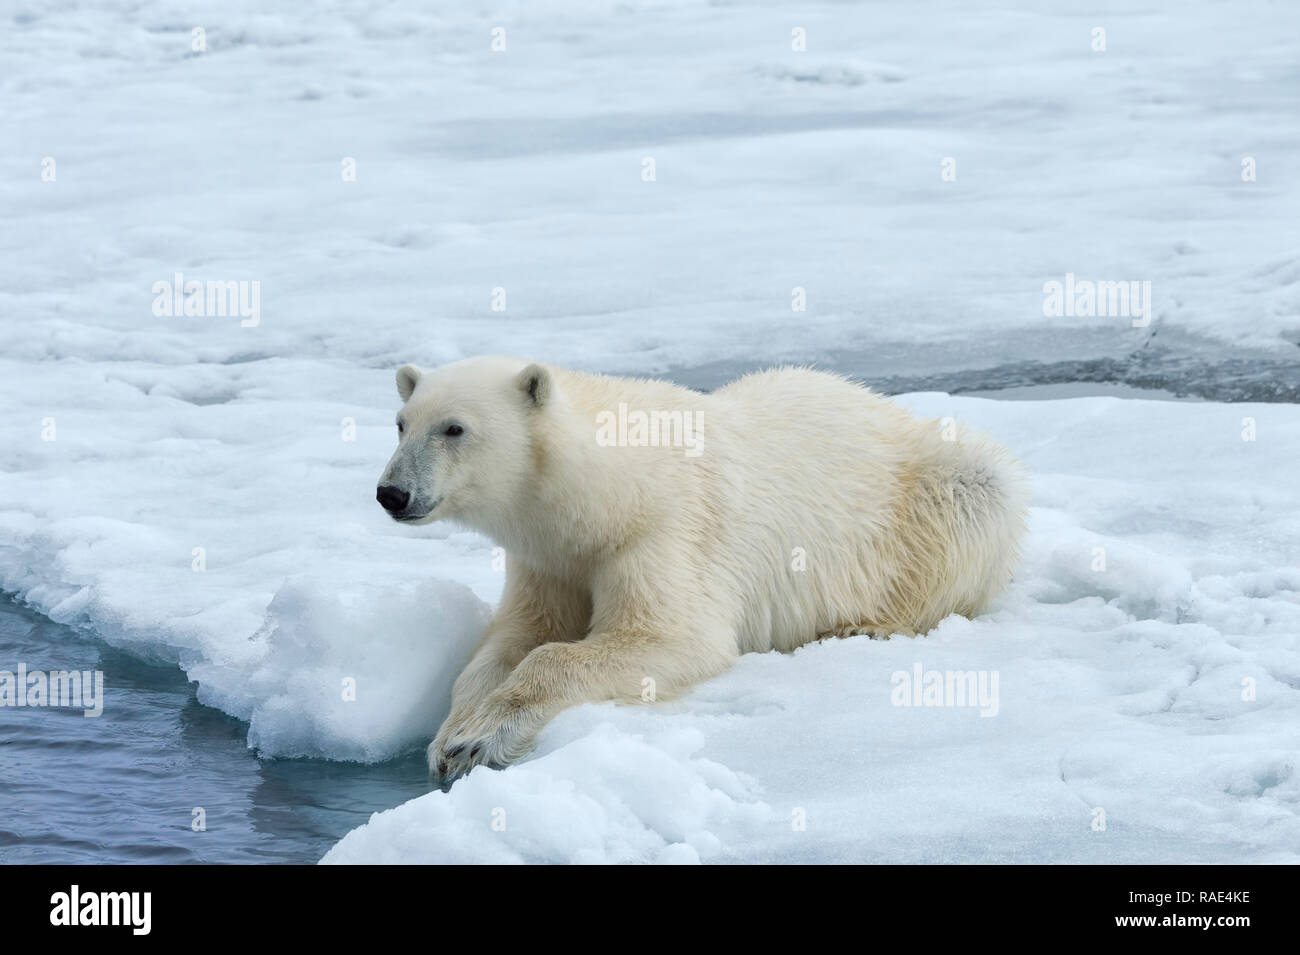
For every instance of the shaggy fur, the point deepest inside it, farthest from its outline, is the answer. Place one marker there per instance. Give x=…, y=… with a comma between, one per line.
x=813, y=508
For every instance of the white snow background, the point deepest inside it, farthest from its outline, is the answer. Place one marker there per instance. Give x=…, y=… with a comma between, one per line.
x=1163, y=690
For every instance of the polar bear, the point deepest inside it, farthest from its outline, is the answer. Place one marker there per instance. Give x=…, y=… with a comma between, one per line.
x=654, y=533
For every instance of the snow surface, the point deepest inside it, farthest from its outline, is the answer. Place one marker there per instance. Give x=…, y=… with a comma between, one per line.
x=1119, y=689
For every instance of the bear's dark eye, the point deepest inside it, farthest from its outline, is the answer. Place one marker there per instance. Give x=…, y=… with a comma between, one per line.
x=454, y=431
x=401, y=427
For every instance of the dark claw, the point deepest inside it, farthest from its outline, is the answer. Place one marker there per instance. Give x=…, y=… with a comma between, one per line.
x=455, y=751
x=474, y=752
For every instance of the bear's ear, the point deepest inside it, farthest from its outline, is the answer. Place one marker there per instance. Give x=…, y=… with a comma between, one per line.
x=535, y=382
x=407, y=377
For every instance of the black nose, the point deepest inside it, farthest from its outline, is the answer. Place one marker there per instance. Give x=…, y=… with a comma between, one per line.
x=392, y=498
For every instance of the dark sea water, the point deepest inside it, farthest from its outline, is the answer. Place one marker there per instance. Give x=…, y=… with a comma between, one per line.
x=122, y=787
x=1137, y=363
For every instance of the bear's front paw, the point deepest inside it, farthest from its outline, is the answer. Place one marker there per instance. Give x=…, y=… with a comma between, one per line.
x=494, y=734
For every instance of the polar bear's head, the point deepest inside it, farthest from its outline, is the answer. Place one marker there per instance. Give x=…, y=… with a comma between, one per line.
x=465, y=440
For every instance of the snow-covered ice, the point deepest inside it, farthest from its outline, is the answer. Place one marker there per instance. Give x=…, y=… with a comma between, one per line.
x=522, y=170
x=201, y=492
x=1156, y=680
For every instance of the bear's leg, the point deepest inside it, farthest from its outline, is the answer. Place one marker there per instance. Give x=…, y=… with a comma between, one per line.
x=533, y=611
x=617, y=664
